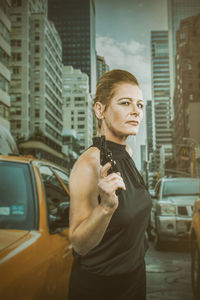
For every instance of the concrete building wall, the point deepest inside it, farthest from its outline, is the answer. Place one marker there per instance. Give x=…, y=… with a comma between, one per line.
x=5, y=53
x=162, y=130
x=36, y=64
x=187, y=88
x=46, y=78
x=77, y=105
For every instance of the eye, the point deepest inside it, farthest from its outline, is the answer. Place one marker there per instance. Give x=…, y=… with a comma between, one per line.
x=140, y=105
x=125, y=102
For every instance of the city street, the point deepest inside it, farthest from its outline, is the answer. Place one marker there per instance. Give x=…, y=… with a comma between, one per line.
x=168, y=273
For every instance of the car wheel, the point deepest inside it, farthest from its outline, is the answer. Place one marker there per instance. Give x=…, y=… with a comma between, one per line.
x=195, y=269
x=157, y=242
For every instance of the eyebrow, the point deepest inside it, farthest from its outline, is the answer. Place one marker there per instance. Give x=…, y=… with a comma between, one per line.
x=129, y=98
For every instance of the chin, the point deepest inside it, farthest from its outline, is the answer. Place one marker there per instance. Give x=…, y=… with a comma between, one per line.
x=133, y=132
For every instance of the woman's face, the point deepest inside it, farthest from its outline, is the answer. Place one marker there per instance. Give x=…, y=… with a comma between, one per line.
x=124, y=113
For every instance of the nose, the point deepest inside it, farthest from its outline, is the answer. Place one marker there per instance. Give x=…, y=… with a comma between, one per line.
x=135, y=109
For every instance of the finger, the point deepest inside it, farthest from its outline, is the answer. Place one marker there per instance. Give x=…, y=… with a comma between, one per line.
x=114, y=176
x=112, y=186
x=104, y=170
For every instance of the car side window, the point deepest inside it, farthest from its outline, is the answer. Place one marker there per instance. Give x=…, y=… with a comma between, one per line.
x=64, y=177
x=56, y=196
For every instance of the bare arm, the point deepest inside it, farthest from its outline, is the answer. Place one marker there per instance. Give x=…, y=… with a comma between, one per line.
x=88, y=218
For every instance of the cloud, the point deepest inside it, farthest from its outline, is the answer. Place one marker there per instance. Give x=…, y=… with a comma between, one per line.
x=128, y=55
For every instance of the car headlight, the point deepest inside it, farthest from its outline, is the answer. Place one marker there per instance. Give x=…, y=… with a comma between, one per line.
x=167, y=209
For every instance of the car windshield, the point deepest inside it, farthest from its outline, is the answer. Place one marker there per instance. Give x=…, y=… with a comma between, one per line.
x=16, y=197
x=182, y=187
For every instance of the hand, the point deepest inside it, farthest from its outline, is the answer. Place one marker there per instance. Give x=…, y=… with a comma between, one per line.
x=108, y=184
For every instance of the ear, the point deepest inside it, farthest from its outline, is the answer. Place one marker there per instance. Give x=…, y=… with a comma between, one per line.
x=99, y=109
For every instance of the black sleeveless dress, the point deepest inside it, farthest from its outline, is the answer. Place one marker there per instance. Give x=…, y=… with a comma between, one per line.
x=115, y=268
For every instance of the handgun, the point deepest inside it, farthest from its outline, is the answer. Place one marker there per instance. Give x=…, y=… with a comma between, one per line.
x=106, y=156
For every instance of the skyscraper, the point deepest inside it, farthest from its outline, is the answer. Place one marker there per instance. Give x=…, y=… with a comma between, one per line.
x=77, y=105
x=75, y=22
x=5, y=52
x=187, y=90
x=149, y=128
x=20, y=65
x=36, y=81
x=162, y=132
x=178, y=10
x=102, y=67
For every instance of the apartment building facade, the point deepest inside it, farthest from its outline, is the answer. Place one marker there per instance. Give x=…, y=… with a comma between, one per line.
x=77, y=105
x=162, y=129
x=5, y=53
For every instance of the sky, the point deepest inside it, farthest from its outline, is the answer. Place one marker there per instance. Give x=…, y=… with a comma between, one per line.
x=123, y=30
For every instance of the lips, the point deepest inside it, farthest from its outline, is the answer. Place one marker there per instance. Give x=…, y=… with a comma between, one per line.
x=135, y=123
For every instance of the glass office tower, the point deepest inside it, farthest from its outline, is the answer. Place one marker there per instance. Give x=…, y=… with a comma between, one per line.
x=75, y=22
x=162, y=132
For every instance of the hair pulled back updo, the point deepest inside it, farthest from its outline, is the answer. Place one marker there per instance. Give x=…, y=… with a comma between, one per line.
x=107, y=84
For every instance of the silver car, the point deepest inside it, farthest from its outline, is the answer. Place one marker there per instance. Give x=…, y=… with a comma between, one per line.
x=171, y=213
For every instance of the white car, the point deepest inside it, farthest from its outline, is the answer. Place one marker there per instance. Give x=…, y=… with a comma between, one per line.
x=171, y=213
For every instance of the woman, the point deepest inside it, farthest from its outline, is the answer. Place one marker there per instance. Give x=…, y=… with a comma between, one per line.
x=107, y=230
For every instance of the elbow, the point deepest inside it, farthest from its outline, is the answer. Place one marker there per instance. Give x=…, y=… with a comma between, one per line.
x=78, y=247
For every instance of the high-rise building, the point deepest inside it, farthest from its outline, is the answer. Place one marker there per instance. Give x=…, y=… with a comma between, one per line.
x=77, y=105
x=5, y=52
x=187, y=90
x=20, y=64
x=46, y=80
x=162, y=131
x=177, y=11
x=149, y=128
x=75, y=22
x=102, y=67
x=36, y=81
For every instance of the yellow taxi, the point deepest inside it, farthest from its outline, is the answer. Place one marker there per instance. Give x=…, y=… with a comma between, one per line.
x=35, y=251
x=195, y=249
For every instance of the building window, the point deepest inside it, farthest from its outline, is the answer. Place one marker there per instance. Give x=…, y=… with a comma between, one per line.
x=16, y=3
x=15, y=97
x=16, y=43
x=16, y=56
x=37, y=87
x=37, y=49
x=37, y=113
x=81, y=126
x=37, y=24
x=4, y=111
x=15, y=124
x=16, y=70
x=37, y=63
x=18, y=111
x=37, y=36
x=18, y=124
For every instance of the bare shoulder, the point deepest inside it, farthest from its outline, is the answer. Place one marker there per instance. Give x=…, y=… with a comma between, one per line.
x=87, y=165
x=129, y=150
x=88, y=160
x=83, y=183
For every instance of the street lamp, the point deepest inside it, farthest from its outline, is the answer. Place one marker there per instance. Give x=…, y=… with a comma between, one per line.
x=194, y=146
